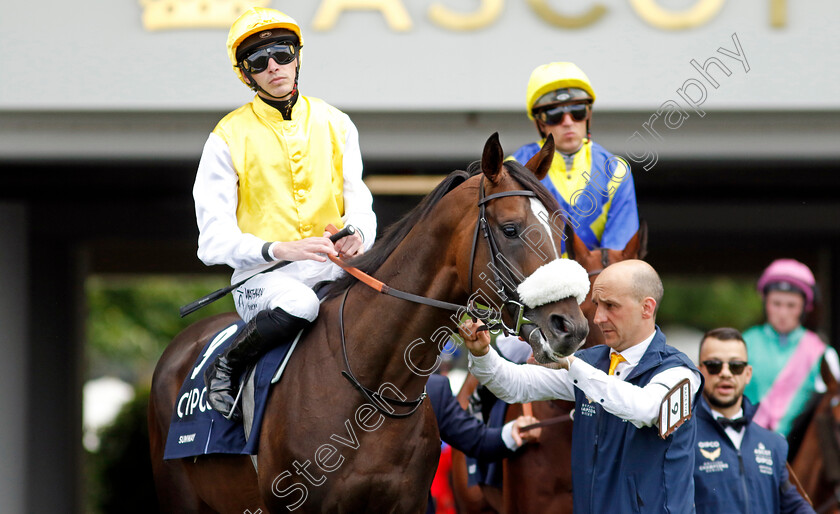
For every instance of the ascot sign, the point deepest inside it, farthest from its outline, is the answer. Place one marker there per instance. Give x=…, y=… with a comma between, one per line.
x=177, y=14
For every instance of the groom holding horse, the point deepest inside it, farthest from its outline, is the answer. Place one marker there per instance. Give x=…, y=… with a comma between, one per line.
x=274, y=173
x=619, y=461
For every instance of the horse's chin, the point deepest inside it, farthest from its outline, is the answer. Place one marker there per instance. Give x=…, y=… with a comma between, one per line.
x=550, y=352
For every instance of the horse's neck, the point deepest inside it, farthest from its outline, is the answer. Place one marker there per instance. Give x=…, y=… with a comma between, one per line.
x=383, y=327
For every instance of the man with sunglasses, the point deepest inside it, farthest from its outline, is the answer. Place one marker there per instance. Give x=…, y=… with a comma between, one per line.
x=620, y=462
x=786, y=354
x=739, y=466
x=274, y=173
x=594, y=187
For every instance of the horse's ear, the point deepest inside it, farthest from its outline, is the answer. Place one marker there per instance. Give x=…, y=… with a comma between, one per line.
x=575, y=246
x=492, y=158
x=637, y=246
x=541, y=161
x=828, y=377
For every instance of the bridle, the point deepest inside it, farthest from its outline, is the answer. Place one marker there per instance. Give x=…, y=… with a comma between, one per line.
x=605, y=261
x=505, y=282
x=505, y=288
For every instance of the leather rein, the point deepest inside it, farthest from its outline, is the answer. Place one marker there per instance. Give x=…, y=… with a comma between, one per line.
x=506, y=289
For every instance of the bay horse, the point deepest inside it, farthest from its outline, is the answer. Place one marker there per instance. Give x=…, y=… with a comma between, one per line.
x=817, y=462
x=550, y=458
x=380, y=460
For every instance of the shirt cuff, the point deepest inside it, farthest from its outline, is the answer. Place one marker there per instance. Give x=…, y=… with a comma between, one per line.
x=507, y=436
x=271, y=248
x=266, y=252
x=580, y=370
x=484, y=365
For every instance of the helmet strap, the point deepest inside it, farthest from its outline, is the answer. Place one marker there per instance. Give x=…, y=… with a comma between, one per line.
x=256, y=87
x=539, y=129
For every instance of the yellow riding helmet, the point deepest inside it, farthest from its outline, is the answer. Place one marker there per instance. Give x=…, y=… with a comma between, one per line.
x=557, y=75
x=252, y=21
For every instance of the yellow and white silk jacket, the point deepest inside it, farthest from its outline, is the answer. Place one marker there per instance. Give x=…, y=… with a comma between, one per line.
x=263, y=179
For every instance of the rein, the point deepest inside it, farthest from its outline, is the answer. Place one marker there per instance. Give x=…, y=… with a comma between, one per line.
x=550, y=421
x=376, y=398
x=373, y=396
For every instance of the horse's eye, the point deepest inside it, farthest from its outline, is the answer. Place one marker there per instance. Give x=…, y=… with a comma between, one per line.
x=510, y=231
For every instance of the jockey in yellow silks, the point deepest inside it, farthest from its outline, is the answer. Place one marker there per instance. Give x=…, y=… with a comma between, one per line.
x=272, y=175
x=594, y=188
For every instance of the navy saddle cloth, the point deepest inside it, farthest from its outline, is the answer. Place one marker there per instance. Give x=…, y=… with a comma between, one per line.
x=196, y=429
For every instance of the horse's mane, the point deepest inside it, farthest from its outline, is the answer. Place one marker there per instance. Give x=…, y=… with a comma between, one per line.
x=371, y=260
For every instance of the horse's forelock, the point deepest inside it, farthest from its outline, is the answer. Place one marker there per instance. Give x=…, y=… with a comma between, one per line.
x=529, y=182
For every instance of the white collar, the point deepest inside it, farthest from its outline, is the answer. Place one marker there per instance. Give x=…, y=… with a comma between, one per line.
x=716, y=414
x=634, y=354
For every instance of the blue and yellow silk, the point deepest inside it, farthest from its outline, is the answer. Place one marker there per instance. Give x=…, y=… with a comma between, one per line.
x=597, y=193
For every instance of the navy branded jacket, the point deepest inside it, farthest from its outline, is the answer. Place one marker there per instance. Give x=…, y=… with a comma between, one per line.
x=461, y=430
x=619, y=468
x=751, y=480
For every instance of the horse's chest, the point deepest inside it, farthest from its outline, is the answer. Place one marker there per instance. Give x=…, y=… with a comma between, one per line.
x=356, y=456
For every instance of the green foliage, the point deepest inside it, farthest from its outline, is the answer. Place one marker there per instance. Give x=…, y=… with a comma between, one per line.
x=131, y=319
x=120, y=473
x=706, y=303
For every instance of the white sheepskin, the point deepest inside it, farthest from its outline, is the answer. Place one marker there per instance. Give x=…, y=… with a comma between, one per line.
x=559, y=279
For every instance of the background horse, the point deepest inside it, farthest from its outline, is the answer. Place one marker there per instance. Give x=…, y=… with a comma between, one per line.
x=817, y=462
x=374, y=464
x=550, y=458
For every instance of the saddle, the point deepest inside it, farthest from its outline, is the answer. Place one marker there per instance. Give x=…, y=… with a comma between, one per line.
x=196, y=429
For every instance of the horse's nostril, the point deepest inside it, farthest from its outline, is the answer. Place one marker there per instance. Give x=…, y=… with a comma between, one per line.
x=559, y=323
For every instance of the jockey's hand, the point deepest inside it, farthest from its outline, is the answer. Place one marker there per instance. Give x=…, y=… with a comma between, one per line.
x=312, y=248
x=531, y=436
x=349, y=246
x=477, y=341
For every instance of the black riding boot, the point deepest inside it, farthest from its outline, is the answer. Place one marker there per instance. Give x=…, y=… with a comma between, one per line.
x=261, y=334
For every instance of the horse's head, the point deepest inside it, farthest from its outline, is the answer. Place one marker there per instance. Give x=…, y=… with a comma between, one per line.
x=515, y=256
x=831, y=399
x=594, y=261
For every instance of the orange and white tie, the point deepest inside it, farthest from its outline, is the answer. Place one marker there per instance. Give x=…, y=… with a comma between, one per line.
x=615, y=358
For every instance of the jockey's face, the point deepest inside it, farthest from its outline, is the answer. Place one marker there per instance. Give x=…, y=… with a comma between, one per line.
x=277, y=79
x=784, y=310
x=568, y=133
x=724, y=390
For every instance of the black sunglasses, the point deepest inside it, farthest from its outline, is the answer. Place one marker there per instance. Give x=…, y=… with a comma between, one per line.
x=281, y=52
x=554, y=115
x=715, y=366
